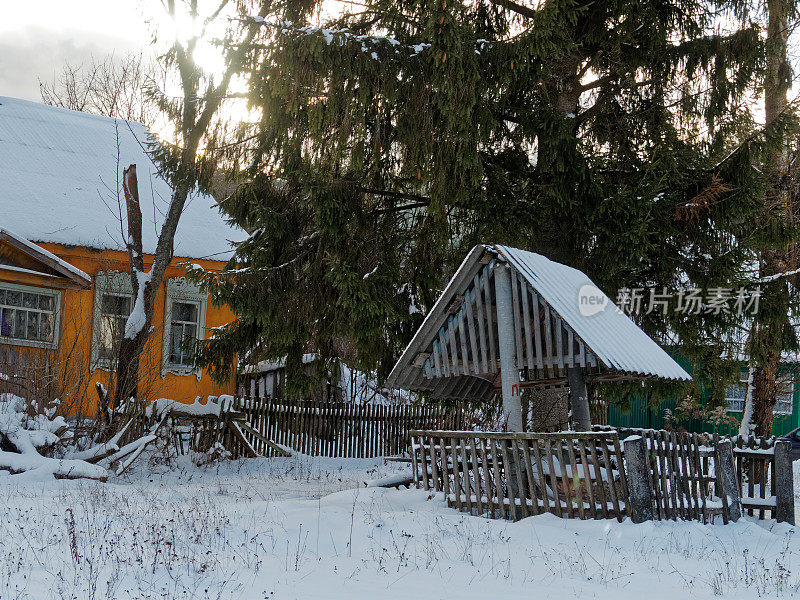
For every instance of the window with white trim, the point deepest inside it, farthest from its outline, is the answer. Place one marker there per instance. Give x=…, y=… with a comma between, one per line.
x=184, y=326
x=184, y=322
x=114, y=312
x=113, y=300
x=735, y=394
x=28, y=315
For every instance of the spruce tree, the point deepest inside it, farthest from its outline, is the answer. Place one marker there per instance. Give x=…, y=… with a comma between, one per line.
x=613, y=136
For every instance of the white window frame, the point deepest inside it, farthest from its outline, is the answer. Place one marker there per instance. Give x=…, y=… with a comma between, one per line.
x=734, y=403
x=179, y=289
x=117, y=283
x=56, y=295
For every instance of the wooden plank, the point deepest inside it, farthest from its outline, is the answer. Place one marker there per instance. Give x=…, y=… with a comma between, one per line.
x=618, y=512
x=541, y=483
x=456, y=472
x=557, y=509
x=509, y=496
x=573, y=464
x=445, y=467
x=522, y=493
x=526, y=458
x=559, y=325
x=515, y=306
x=487, y=478
x=472, y=335
x=691, y=501
x=623, y=480
x=267, y=442
x=418, y=469
x=447, y=366
x=667, y=436
x=437, y=483
x=587, y=479
x=481, y=324
x=530, y=360
x=548, y=337
x=570, y=348
x=451, y=334
x=463, y=339
x=477, y=472
x=565, y=480
x=466, y=480
x=437, y=361
x=598, y=470
x=490, y=322
x=537, y=330
x=421, y=462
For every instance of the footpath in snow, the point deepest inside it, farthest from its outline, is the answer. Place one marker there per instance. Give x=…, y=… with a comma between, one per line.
x=311, y=528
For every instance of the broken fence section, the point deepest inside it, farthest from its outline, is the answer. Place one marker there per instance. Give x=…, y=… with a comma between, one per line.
x=514, y=475
x=685, y=480
x=660, y=475
x=337, y=429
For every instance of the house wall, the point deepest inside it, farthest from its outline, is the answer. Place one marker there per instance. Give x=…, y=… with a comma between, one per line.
x=641, y=414
x=72, y=357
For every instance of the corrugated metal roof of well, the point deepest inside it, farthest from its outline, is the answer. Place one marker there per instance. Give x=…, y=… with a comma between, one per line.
x=616, y=340
x=60, y=173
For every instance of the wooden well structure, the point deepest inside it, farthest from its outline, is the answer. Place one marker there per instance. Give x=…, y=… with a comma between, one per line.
x=511, y=319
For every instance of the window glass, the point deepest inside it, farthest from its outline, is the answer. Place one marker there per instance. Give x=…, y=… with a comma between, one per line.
x=735, y=395
x=183, y=330
x=114, y=312
x=27, y=316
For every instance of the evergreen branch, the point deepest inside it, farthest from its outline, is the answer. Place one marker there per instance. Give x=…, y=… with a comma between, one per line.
x=525, y=11
x=422, y=200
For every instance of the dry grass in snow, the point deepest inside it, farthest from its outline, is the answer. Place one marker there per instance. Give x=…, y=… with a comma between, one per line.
x=309, y=528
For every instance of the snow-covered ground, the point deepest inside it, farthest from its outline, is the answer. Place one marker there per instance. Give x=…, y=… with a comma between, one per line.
x=309, y=528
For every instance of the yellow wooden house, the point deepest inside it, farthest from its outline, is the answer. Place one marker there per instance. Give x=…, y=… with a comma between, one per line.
x=65, y=293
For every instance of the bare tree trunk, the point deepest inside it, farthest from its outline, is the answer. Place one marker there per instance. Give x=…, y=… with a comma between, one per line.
x=193, y=124
x=768, y=328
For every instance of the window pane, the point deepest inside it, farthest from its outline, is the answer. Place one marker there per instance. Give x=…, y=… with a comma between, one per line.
x=6, y=322
x=2, y=296
x=115, y=305
x=175, y=347
x=184, y=311
x=46, y=302
x=46, y=327
x=189, y=332
x=32, y=332
x=19, y=324
x=107, y=336
x=13, y=298
x=30, y=300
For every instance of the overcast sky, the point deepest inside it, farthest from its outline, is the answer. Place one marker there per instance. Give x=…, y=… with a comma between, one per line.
x=36, y=38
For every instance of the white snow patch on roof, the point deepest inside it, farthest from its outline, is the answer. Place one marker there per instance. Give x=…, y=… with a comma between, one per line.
x=59, y=175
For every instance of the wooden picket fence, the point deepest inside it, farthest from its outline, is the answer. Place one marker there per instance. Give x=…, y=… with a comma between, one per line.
x=337, y=429
x=586, y=475
x=683, y=476
x=514, y=475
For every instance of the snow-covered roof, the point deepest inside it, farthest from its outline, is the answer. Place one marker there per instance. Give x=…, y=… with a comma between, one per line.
x=45, y=256
x=265, y=366
x=605, y=342
x=59, y=175
x=612, y=336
